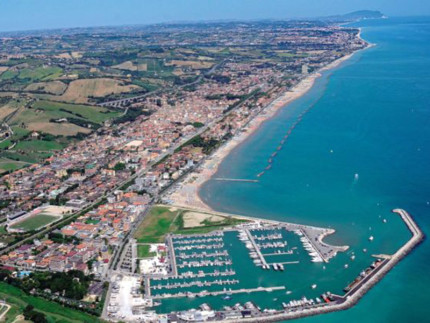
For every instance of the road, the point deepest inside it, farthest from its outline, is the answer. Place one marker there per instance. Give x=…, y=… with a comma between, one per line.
x=122, y=102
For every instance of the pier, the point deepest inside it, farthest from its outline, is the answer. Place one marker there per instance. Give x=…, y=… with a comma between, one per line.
x=223, y=292
x=236, y=180
x=174, y=268
x=256, y=248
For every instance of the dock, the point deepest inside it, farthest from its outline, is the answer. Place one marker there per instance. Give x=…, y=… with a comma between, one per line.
x=285, y=263
x=174, y=268
x=340, y=303
x=222, y=292
x=257, y=249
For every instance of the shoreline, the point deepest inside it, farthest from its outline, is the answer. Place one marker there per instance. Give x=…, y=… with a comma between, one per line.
x=188, y=195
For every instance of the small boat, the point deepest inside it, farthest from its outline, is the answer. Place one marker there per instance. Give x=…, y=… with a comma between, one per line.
x=314, y=286
x=346, y=266
x=352, y=257
x=371, y=238
x=364, y=250
x=384, y=220
x=227, y=297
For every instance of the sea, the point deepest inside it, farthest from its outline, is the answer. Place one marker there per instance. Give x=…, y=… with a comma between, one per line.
x=361, y=149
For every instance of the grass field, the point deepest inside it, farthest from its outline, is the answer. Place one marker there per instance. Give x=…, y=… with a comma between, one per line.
x=34, y=222
x=7, y=164
x=8, y=75
x=156, y=225
x=143, y=251
x=40, y=73
x=53, y=311
x=162, y=220
x=87, y=112
x=38, y=145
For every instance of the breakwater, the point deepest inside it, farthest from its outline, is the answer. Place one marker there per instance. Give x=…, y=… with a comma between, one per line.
x=351, y=298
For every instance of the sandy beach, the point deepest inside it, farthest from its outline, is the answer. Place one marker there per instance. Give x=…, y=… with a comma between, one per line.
x=188, y=193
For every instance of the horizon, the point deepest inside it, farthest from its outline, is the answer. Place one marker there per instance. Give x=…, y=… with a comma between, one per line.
x=191, y=22
x=31, y=15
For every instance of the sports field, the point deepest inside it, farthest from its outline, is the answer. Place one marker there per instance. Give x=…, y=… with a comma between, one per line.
x=34, y=222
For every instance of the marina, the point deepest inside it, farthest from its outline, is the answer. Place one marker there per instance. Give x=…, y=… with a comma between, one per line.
x=209, y=273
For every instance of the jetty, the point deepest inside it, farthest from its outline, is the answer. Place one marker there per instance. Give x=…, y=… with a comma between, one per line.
x=235, y=180
x=256, y=248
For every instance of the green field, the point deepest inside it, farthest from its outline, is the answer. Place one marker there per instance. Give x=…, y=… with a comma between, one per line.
x=38, y=145
x=161, y=220
x=8, y=75
x=7, y=165
x=35, y=222
x=54, y=312
x=86, y=112
x=143, y=251
x=40, y=73
x=156, y=225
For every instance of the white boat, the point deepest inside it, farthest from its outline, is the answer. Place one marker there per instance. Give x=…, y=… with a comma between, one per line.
x=371, y=238
x=314, y=286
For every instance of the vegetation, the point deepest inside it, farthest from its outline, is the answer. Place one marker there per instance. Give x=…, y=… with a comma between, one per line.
x=53, y=311
x=162, y=220
x=143, y=251
x=207, y=145
x=156, y=225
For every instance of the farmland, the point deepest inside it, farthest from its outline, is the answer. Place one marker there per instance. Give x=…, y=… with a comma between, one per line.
x=80, y=91
x=41, y=127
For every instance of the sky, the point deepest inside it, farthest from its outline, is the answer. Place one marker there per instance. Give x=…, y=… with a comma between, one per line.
x=48, y=14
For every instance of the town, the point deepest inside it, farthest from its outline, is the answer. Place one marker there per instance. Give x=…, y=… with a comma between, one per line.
x=102, y=127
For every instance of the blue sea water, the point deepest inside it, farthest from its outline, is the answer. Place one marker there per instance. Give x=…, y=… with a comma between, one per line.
x=370, y=117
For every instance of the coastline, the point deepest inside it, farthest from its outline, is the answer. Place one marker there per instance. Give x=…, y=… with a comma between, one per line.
x=188, y=194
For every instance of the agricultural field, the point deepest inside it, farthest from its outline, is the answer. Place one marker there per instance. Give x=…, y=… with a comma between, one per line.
x=34, y=222
x=198, y=64
x=131, y=66
x=164, y=219
x=53, y=87
x=41, y=127
x=81, y=91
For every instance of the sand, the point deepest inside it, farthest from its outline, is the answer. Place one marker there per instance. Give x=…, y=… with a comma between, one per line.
x=196, y=219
